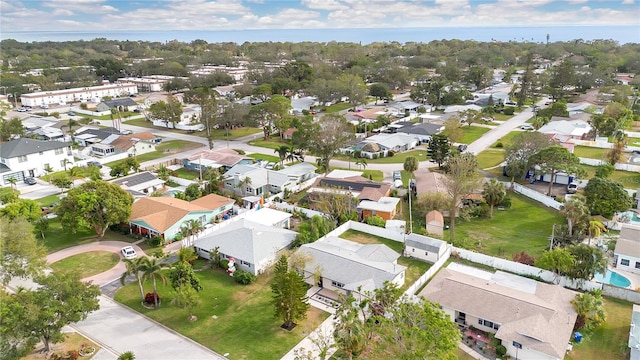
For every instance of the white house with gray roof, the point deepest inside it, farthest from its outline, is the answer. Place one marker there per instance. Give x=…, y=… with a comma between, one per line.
x=348, y=267
x=627, y=252
x=261, y=181
x=254, y=246
x=533, y=320
x=21, y=158
x=424, y=247
x=142, y=183
x=634, y=333
x=299, y=172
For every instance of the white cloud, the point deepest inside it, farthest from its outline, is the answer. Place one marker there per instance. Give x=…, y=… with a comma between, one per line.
x=82, y=6
x=576, y=2
x=324, y=5
x=62, y=12
x=628, y=2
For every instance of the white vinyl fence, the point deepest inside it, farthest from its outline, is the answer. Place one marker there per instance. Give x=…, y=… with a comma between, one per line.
x=532, y=194
x=413, y=289
x=621, y=293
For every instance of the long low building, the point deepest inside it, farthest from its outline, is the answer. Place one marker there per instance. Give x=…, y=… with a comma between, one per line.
x=93, y=93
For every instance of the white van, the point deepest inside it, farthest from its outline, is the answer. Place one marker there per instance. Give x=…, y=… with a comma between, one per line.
x=572, y=188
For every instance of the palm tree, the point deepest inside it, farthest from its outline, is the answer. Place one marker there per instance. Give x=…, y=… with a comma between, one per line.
x=65, y=162
x=135, y=268
x=494, y=192
x=282, y=152
x=244, y=183
x=187, y=255
x=48, y=169
x=410, y=165
x=576, y=212
x=361, y=162
x=596, y=227
x=74, y=173
x=152, y=269
x=163, y=172
x=191, y=228
x=71, y=124
x=12, y=181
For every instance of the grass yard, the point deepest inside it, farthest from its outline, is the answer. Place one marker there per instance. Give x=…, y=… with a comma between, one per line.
x=525, y=226
x=628, y=179
x=490, y=158
x=589, y=152
x=270, y=158
x=186, y=174
x=163, y=149
x=57, y=239
x=415, y=267
x=49, y=200
x=505, y=140
x=610, y=340
x=235, y=133
x=337, y=107
x=273, y=143
x=463, y=355
x=473, y=133
x=233, y=318
x=88, y=264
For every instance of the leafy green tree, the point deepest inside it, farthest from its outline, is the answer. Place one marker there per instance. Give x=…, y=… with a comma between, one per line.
x=61, y=300
x=563, y=76
x=588, y=261
x=380, y=91
x=11, y=128
x=312, y=229
x=16, y=340
x=163, y=172
x=289, y=294
x=41, y=226
x=331, y=134
x=519, y=151
x=182, y=274
x=153, y=269
x=207, y=99
x=604, y=170
x=554, y=159
x=26, y=208
x=187, y=298
x=480, y=76
x=168, y=111
x=462, y=177
x=494, y=193
x=20, y=253
x=350, y=332
x=187, y=255
x=590, y=309
x=614, y=154
x=453, y=129
x=9, y=195
x=135, y=268
x=606, y=196
x=416, y=330
x=439, y=149
x=94, y=205
x=353, y=87
x=558, y=260
x=576, y=212
x=262, y=92
x=471, y=116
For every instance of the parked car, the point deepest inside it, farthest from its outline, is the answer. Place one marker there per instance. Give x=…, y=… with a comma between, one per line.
x=71, y=113
x=94, y=163
x=128, y=252
x=30, y=181
x=462, y=147
x=397, y=175
x=572, y=188
x=270, y=166
x=526, y=127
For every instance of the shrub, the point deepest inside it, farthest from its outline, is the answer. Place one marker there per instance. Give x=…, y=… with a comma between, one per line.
x=501, y=350
x=149, y=298
x=224, y=263
x=244, y=277
x=390, y=153
x=499, y=144
x=155, y=241
x=508, y=111
x=376, y=221
x=506, y=202
x=240, y=152
x=523, y=258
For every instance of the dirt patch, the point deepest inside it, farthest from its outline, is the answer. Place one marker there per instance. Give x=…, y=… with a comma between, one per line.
x=360, y=238
x=72, y=342
x=240, y=295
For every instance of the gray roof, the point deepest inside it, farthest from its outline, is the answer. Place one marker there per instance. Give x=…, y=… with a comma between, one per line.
x=419, y=128
x=629, y=241
x=120, y=102
x=298, y=169
x=424, y=242
x=22, y=146
x=100, y=133
x=247, y=240
x=136, y=179
x=259, y=176
x=352, y=264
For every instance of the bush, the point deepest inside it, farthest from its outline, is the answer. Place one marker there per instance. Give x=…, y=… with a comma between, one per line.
x=224, y=264
x=390, y=153
x=508, y=111
x=506, y=202
x=501, y=350
x=244, y=277
x=149, y=298
x=156, y=241
x=376, y=221
x=240, y=152
x=499, y=144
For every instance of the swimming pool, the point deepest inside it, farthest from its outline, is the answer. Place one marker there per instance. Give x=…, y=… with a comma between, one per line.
x=631, y=215
x=613, y=278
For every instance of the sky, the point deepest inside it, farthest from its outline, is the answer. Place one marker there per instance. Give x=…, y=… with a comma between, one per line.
x=149, y=15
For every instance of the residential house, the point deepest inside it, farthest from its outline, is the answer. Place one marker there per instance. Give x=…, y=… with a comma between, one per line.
x=87, y=136
x=406, y=105
x=257, y=181
x=42, y=128
x=164, y=216
x=189, y=120
x=78, y=94
x=575, y=129
x=140, y=184
x=498, y=97
x=348, y=267
x=385, y=207
x=299, y=172
x=634, y=333
x=359, y=187
x=270, y=217
x=223, y=159
x=288, y=134
x=21, y=158
x=533, y=320
x=627, y=252
x=134, y=144
x=390, y=142
x=119, y=105
x=428, y=182
x=300, y=104
x=435, y=222
x=254, y=246
x=459, y=108
x=424, y=247
x=422, y=131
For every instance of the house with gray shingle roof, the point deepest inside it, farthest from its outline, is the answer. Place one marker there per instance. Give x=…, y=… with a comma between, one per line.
x=348, y=267
x=144, y=182
x=122, y=105
x=424, y=247
x=260, y=181
x=627, y=251
x=532, y=319
x=254, y=246
x=21, y=158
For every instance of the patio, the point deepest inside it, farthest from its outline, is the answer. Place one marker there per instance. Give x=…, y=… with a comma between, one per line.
x=479, y=341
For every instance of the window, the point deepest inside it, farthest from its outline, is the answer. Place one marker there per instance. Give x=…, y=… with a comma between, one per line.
x=337, y=284
x=40, y=153
x=413, y=250
x=637, y=264
x=248, y=190
x=624, y=262
x=489, y=324
x=426, y=253
x=59, y=151
x=22, y=158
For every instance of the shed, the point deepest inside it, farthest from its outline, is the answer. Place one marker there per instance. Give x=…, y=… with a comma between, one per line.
x=435, y=222
x=424, y=247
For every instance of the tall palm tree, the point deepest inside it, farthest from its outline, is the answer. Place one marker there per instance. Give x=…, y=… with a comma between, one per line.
x=74, y=173
x=191, y=228
x=65, y=162
x=410, y=165
x=135, y=268
x=152, y=269
x=244, y=183
x=282, y=152
x=48, y=169
x=361, y=162
x=576, y=212
x=596, y=227
x=163, y=172
x=12, y=181
x=494, y=193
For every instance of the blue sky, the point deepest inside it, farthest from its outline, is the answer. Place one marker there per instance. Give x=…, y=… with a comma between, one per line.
x=101, y=15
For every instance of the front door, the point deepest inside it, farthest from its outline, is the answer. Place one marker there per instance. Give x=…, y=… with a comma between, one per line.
x=31, y=173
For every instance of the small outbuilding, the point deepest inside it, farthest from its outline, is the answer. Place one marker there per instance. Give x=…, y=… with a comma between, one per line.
x=424, y=247
x=435, y=222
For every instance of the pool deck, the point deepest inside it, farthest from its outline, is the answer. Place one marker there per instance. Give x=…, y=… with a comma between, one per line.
x=634, y=278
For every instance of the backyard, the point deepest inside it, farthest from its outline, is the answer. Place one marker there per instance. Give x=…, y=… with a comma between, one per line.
x=415, y=267
x=472, y=133
x=218, y=134
x=525, y=226
x=233, y=318
x=490, y=158
x=609, y=341
x=163, y=149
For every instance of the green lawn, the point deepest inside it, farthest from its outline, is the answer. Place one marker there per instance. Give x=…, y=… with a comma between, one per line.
x=472, y=133
x=589, y=152
x=463, y=355
x=186, y=174
x=123, y=115
x=163, y=149
x=57, y=239
x=88, y=264
x=415, y=267
x=525, y=226
x=506, y=140
x=49, y=200
x=611, y=339
x=490, y=158
x=628, y=179
x=270, y=158
x=233, y=318
x=337, y=107
x=273, y=143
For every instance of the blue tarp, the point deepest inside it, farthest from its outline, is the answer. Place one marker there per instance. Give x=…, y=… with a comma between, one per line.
x=577, y=336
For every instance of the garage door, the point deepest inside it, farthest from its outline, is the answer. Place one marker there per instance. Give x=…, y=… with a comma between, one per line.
x=19, y=176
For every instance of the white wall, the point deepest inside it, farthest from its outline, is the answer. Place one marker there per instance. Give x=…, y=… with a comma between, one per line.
x=532, y=194
x=375, y=230
x=632, y=263
x=421, y=254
